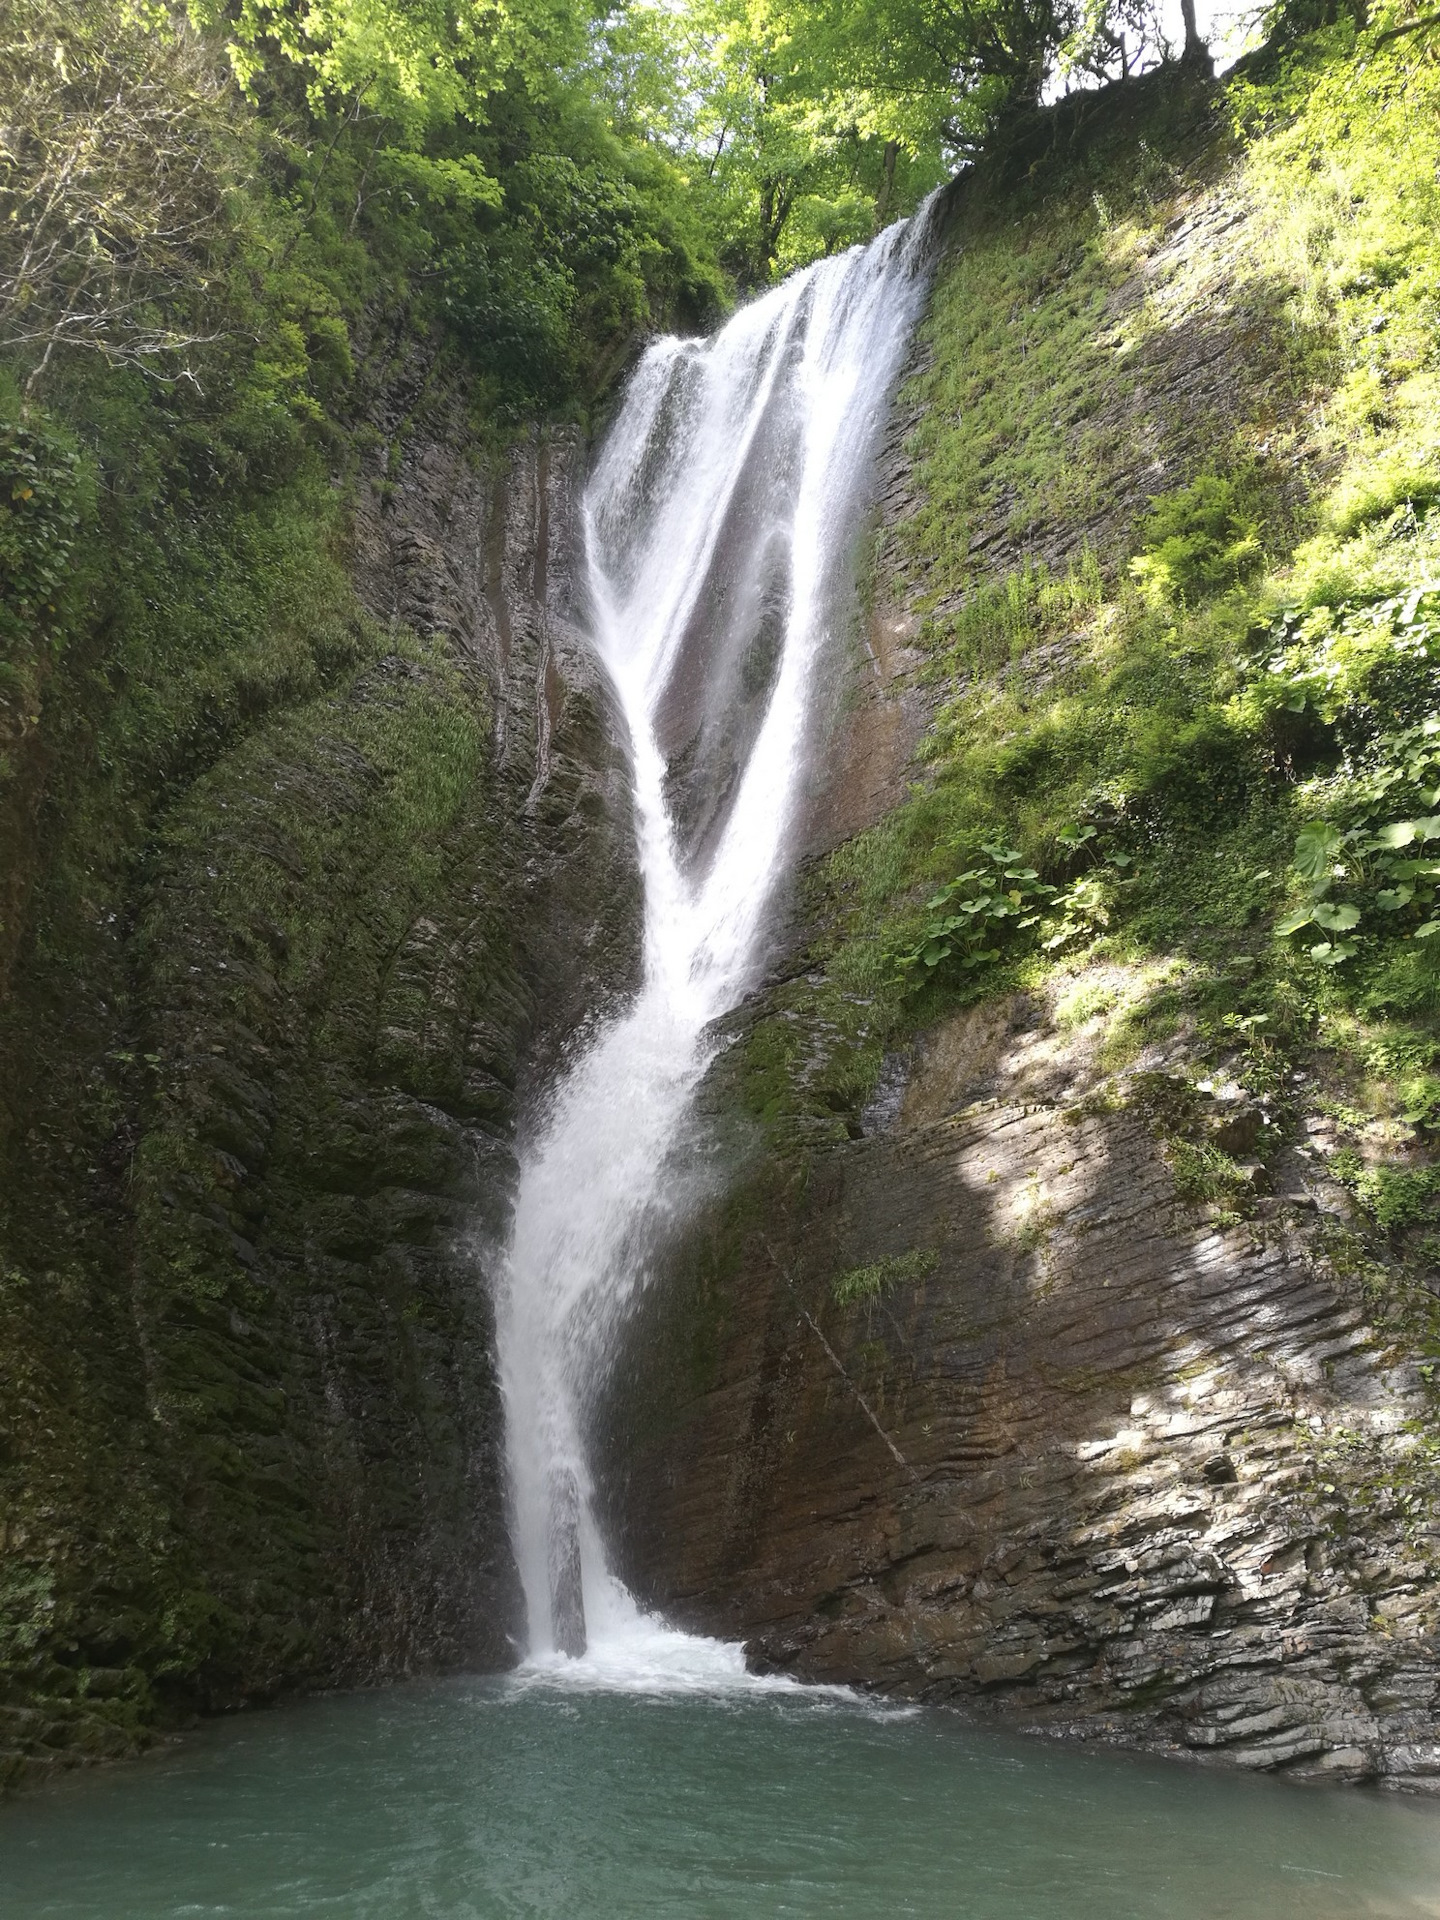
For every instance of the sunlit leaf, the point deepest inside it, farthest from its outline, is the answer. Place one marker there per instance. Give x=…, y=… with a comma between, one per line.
x=1316, y=846
x=1399, y=833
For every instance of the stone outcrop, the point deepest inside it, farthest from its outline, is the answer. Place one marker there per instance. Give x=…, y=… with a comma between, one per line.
x=978, y=1408
x=972, y=1389
x=260, y=1144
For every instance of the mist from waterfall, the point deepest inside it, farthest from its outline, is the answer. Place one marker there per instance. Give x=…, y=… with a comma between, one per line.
x=720, y=522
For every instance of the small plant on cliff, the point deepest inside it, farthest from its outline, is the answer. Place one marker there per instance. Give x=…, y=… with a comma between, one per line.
x=1197, y=541
x=868, y=1283
x=1393, y=1196
x=985, y=912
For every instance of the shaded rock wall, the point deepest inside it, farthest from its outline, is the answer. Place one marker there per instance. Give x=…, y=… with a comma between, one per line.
x=260, y=1140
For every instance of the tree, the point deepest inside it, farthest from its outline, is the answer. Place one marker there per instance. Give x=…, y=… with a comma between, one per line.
x=800, y=160
x=115, y=164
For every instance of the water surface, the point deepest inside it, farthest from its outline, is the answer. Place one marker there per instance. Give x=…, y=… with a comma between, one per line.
x=469, y=1799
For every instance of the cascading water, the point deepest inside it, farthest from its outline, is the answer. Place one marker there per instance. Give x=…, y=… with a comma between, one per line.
x=719, y=522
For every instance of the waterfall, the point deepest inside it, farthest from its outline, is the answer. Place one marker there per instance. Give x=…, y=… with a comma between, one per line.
x=719, y=524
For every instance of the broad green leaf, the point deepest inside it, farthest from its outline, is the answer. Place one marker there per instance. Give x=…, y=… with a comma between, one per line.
x=1430, y=927
x=1391, y=899
x=1292, y=923
x=1337, y=918
x=1399, y=833
x=1316, y=847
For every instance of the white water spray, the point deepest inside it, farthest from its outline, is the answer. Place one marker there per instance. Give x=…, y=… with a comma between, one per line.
x=719, y=520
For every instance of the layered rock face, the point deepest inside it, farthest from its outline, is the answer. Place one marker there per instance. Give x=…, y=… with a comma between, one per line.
x=254, y=1431
x=971, y=1389
x=975, y=1408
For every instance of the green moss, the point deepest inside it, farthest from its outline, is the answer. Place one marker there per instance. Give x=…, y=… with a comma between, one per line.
x=1181, y=678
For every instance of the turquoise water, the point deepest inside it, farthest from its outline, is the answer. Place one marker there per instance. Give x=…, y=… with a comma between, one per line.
x=487, y=1798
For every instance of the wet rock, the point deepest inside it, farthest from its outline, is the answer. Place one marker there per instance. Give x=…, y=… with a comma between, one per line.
x=264, y=1430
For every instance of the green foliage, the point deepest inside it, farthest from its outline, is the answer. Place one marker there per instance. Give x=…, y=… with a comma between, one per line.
x=866, y=1284
x=466, y=169
x=1237, y=677
x=1205, y=1175
x=1360, y=663
x=39, y=517
x=999, y=622
x=1394, y=1196
x=117, y=159
x=984, y=913
x=1197, y=541
x=421, y=64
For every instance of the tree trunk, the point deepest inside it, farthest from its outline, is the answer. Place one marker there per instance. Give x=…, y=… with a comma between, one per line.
x=1196, y=52
x=887, y=184
x=775, y=199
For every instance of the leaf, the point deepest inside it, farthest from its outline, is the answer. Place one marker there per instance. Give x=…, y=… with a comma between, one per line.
x=1316, y=846
x=1391, y=899
x=1331, y=953
x=1292, y=923
x=1399, y=833
x=1430, y=927
x=1337, y=918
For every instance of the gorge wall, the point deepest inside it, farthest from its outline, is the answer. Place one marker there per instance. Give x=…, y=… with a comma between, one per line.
x=1048, y=1352
x=260, y=1098
x=1063, y=1340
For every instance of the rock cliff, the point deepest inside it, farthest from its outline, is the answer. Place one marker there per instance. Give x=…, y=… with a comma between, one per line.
x=1036, y=1359
x=260, y=1135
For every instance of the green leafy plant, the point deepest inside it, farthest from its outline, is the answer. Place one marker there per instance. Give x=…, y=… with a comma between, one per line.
x=1197, y=541
x=982, y=913
x=39, y=518
x=1324, y=855
x=1393, y=1196
x=868, y=1283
